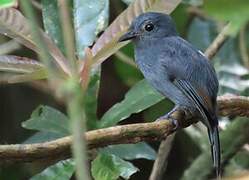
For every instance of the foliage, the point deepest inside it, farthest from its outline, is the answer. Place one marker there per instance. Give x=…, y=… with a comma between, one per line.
x=7, y=3
x=62, y=170
x=88, y=20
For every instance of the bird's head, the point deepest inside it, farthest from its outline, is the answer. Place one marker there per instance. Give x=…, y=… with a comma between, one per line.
x=150, y=25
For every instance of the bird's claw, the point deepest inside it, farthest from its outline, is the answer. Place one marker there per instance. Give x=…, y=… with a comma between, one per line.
x=173, y=121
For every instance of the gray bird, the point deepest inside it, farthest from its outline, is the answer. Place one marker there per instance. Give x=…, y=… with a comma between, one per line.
x=177, y=70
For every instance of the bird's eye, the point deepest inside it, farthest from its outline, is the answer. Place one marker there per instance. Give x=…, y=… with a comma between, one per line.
x=149, y=27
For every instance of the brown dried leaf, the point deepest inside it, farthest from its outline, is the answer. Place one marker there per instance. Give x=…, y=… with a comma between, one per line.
x=107, y=44
x=10, y=78
x=13, y=24
x=19, y=64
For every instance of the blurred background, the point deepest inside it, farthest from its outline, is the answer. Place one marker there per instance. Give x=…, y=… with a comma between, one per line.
x=119, y=74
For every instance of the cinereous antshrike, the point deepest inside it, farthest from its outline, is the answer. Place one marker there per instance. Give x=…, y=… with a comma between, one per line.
x=177, y=70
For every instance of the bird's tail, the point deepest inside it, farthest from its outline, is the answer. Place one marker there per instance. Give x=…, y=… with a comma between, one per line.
x=215, y=148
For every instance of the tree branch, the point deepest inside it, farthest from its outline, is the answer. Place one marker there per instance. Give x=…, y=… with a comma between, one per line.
x=218, y=42
x=161, y=162
x=60, y=149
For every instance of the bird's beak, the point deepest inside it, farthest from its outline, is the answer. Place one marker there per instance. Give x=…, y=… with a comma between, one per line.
x=127, y=36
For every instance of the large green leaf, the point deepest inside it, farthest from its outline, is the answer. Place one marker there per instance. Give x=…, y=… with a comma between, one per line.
x=90, y=18
x=235, y=11
x=51, y=21
x=7, y=3
x=110, y=167
x=138, y=98
x=240, y=162
x=42, y=136
x=91, y=101
x=63, y=170
x=47, y=119
x=107, y=44
x=131, y=151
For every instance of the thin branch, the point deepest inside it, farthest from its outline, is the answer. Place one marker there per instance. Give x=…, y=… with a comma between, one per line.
x=242, y=46
x=160, y=164
x=36, y=4
x=124, y=58
x=197, y=12
x=60, y=149
x=218, y=42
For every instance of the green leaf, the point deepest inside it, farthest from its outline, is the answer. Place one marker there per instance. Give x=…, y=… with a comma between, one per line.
x=90, y=18
x=110, y=167
x=158, y=110
x=7, y=3
x=63, y=170
x=138, y=98
x=91, y=101
x=181, y=17
x=126, y=73
x=131, y=151
x=51, y=21
x=234, y=11
x=47, y=119
x=238, y=164
x=42, y=136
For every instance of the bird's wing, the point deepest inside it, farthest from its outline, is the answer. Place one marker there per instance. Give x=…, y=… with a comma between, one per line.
x=192, y=74
x=200, y=101
x=198, y=98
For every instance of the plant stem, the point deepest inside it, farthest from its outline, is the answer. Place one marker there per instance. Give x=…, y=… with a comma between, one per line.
x=78, y=121
x=68, y=33
x=126, y=59
x=75, y=104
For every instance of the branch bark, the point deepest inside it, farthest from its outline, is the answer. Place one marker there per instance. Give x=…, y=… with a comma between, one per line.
x=60, y=149
x=161, y=162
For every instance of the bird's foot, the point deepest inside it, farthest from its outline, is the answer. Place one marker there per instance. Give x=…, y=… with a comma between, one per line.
x=177, y=115
x=169, y=116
